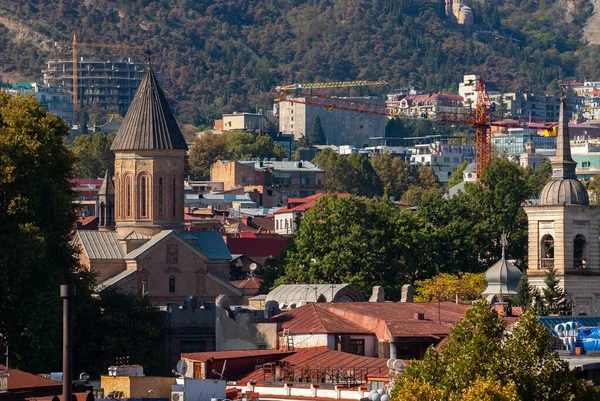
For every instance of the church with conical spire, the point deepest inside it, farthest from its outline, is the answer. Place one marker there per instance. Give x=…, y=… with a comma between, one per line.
x=141, y=246
x=563, y=230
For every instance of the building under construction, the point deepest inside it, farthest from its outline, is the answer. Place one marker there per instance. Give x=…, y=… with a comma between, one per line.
x=102, y=83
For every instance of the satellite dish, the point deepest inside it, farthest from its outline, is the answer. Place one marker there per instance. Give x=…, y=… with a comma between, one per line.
x=182, y=367
x=253, y=266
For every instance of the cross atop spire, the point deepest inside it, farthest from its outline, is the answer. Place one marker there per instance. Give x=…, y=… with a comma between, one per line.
x=149, y=54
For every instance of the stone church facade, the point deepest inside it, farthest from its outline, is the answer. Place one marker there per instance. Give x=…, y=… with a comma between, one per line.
x=141, y=246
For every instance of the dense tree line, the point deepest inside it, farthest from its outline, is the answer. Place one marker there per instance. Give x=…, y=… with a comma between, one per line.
x=36, y=221
x=227, y=55
x=369, y=242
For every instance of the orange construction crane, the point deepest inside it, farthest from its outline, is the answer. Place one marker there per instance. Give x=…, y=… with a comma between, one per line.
x=480, y=117
x=77, y=45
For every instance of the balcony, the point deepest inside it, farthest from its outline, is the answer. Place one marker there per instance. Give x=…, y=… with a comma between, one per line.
x=546, y=263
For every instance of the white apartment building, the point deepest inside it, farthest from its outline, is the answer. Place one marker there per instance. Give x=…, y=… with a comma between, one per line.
x=342, y=127
x=442, y=157
x=55, y=99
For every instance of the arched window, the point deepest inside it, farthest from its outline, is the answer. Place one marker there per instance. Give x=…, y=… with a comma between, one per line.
x=579, y=252
x=160, y=196
x=174, y=197
x=547, y=251
x=144, y=287
x=128, y=194
x=277, y=224
x=144, y=196
x=172, y=284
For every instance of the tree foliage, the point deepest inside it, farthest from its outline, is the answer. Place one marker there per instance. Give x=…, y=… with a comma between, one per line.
x=446, y=287
x=94, y=157
x=526, y=294
x=481, y=362
x=231, y=145
x=554, y=299
x=227, y=55
x=317, y=135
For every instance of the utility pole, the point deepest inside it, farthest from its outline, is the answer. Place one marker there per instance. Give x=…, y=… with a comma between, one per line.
x=66, y=293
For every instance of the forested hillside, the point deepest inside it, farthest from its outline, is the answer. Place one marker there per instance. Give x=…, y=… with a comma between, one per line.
x=225, y=55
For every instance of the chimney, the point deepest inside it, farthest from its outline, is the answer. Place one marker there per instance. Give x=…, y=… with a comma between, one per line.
x=419, y=316
x=378, y=294
x=408, y=293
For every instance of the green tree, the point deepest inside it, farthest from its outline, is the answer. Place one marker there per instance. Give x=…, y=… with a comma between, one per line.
x=361, y=178
x=526, y=294
x=93, y=154
x=457, y=177
x=480, y=361
x=554, y=299
x=594, y=185
x=36, y=219
x=395, y=174
x=207, y=149
x=317, y=135
x=445, y=287
x=353, y=240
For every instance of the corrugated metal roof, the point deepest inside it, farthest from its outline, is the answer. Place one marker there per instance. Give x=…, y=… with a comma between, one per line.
x=288, y=294
x=149, y=123
x=324, y=358
x=205, y=356
x=311, y=319
x=155, y=240
x=101, y=244
x=115, y=279
x=135, y=236
x=210, y=243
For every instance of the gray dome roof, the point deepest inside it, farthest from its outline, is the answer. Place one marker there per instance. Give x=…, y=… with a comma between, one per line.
x=564, y=192
x=502, y=278
x=471, y=168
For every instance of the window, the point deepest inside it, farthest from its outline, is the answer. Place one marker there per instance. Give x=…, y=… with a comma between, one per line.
x=128, y=196
x=446, y=159
x=172, y=284
x=143, y=196
x=357, y=347
x=144, y=287
x=174, y=197
x=277, y=224
x=579, y=252
x=160, y=196
x=547, y=251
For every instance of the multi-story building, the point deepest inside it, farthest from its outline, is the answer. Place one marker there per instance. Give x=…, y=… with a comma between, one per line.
x=102, y=83
x=288, y=178
x=442, y=157
x=342, y=127
x=429, y=105
x=243, y=121
x=514, y=143
x=55, y=99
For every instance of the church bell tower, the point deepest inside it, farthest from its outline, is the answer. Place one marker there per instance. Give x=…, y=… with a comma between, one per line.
x=149, y=164
x=563, y=230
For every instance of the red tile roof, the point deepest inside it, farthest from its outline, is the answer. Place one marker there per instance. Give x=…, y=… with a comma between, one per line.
x=312, y=319
x=251, y=283
x=385, y=320
x=297, y=205
x=205, y=356
x=324, y=358
x=19, y=380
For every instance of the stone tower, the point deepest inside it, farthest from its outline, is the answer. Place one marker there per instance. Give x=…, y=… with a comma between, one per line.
x=149, y=164
x=563, y=230
x=106, y=204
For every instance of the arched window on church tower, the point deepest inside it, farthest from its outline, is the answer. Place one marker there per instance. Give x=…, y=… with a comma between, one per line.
x=144, y=196
x=128, y=194
x=579, y=252
x=547, y=251
x=160, y=197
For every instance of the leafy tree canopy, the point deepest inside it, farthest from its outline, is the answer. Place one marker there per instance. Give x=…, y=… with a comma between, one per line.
x=317, y=135
x=94, y=157
x=446, y=287
x=481, y=362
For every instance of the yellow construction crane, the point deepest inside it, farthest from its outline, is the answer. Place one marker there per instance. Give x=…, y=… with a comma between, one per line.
x=325, y=85
x=75, y=63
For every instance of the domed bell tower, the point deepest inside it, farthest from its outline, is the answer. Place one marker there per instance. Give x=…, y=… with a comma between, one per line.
x=149, y=164
x=563, y=230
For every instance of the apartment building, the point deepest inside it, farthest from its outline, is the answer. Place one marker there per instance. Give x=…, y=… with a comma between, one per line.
x=442, y=157
x=102, y=83
x=342, y=127
x=55, y=99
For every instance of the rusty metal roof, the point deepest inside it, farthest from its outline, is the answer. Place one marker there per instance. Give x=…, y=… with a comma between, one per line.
x=312, y=319
x=212, y=355
x=324, y=358
x=149, y=123
x=18, y=380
